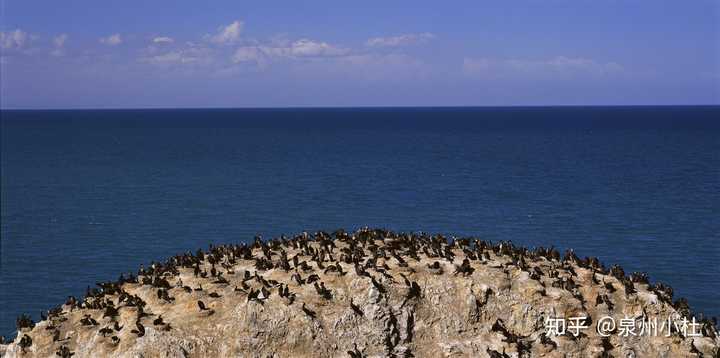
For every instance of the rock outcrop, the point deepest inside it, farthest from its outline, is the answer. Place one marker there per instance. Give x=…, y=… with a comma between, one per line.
x=371, y=293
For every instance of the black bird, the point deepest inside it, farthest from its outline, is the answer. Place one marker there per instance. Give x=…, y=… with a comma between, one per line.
x=24, y=321
x=607, y=346
x=694, y=349
x=377, y=285
x=88, y=321
x=214, y=295
x=310, y=313
x=105, y=331
x=435, y=268
x=110, y=311
x=265, y=293
x=64, y=352
x=115, y=339
x=356, y=308
x=201, y=304
x=253, y=295
x=297, y=278
x=117, y=326
x=414, y=291
x=323, y=291
x=312, y=278
x=221, y=280
x=407, y=282
x=25, y=342
x=465, y=269
x=158, y=321
x=499, y=326
x=495, y=354
x=609, y=287
x=140, y=329
x=545, y=340
x=355, y=353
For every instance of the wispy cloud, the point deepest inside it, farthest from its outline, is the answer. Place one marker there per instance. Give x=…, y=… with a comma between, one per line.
x=13, y=39
x=163, y=40
x=189, y=53
x=229, y=33
x=59, y=44
x=303, y=48
x=400, y=40
x=112, y=40
x=559, y=65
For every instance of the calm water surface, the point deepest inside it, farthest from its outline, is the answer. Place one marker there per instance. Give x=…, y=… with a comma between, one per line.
x=87, y=195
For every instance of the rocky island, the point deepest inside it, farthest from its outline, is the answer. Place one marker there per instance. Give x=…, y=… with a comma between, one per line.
x=371, y=293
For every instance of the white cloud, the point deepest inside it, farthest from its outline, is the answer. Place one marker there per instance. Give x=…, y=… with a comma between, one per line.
x=559, y=65
x=59, y=40
x=309, y=48
x=251, y=54
x=401, y=40
x=59, y=43
x=163, y=39
x=13, y=39
x=229, y=33
x=190, y=54
x=262, y=55
x=112, y=40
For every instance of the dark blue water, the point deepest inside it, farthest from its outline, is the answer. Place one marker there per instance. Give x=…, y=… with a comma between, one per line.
x=89, y=194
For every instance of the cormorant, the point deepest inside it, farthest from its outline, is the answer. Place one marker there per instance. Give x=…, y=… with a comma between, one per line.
x=140, y=329
x=356, y=308
x=158, y=321
x=308, y=312
x=64, y=352
x=25, y=342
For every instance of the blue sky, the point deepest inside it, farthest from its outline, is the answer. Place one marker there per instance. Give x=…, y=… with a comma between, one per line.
x=116, y=54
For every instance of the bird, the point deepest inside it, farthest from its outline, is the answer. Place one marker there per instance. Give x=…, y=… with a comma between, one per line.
x=264, y=293
x=201, y=304
x=158, y=321
x=356, y=308
x=111, y=312
x=253, y=295
x=377, y=285
x=64, y=352
x=88, y=321
x=25, y=342
x=140, y=331
x=355, y=353
x=310, y=313
x=545, y=340
x=435, y=268
x=495, y=354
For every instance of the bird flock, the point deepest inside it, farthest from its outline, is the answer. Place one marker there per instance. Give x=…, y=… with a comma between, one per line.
x=120, y=311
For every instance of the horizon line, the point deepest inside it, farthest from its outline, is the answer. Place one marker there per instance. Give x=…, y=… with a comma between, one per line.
x=359, y=107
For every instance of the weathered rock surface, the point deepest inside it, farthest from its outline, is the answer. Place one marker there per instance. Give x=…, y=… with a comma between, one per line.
x=497, y=303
